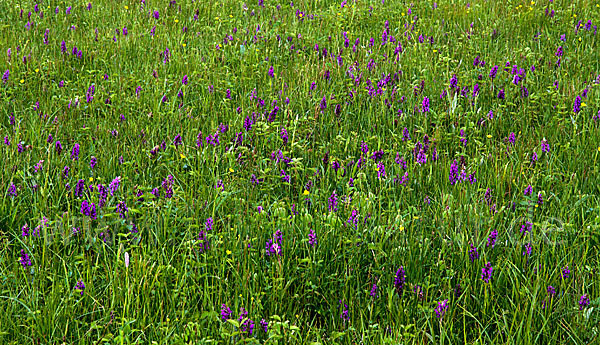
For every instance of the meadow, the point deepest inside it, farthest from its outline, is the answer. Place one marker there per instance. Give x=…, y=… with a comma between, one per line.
x=299, y=172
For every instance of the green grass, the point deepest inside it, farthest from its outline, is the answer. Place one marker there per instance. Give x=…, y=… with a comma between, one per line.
x=173, y=290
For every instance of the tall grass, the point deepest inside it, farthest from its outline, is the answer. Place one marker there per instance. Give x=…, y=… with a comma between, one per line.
x=330, y=119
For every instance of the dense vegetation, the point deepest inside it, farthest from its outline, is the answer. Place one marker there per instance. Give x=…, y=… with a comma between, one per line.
x=311, y=172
